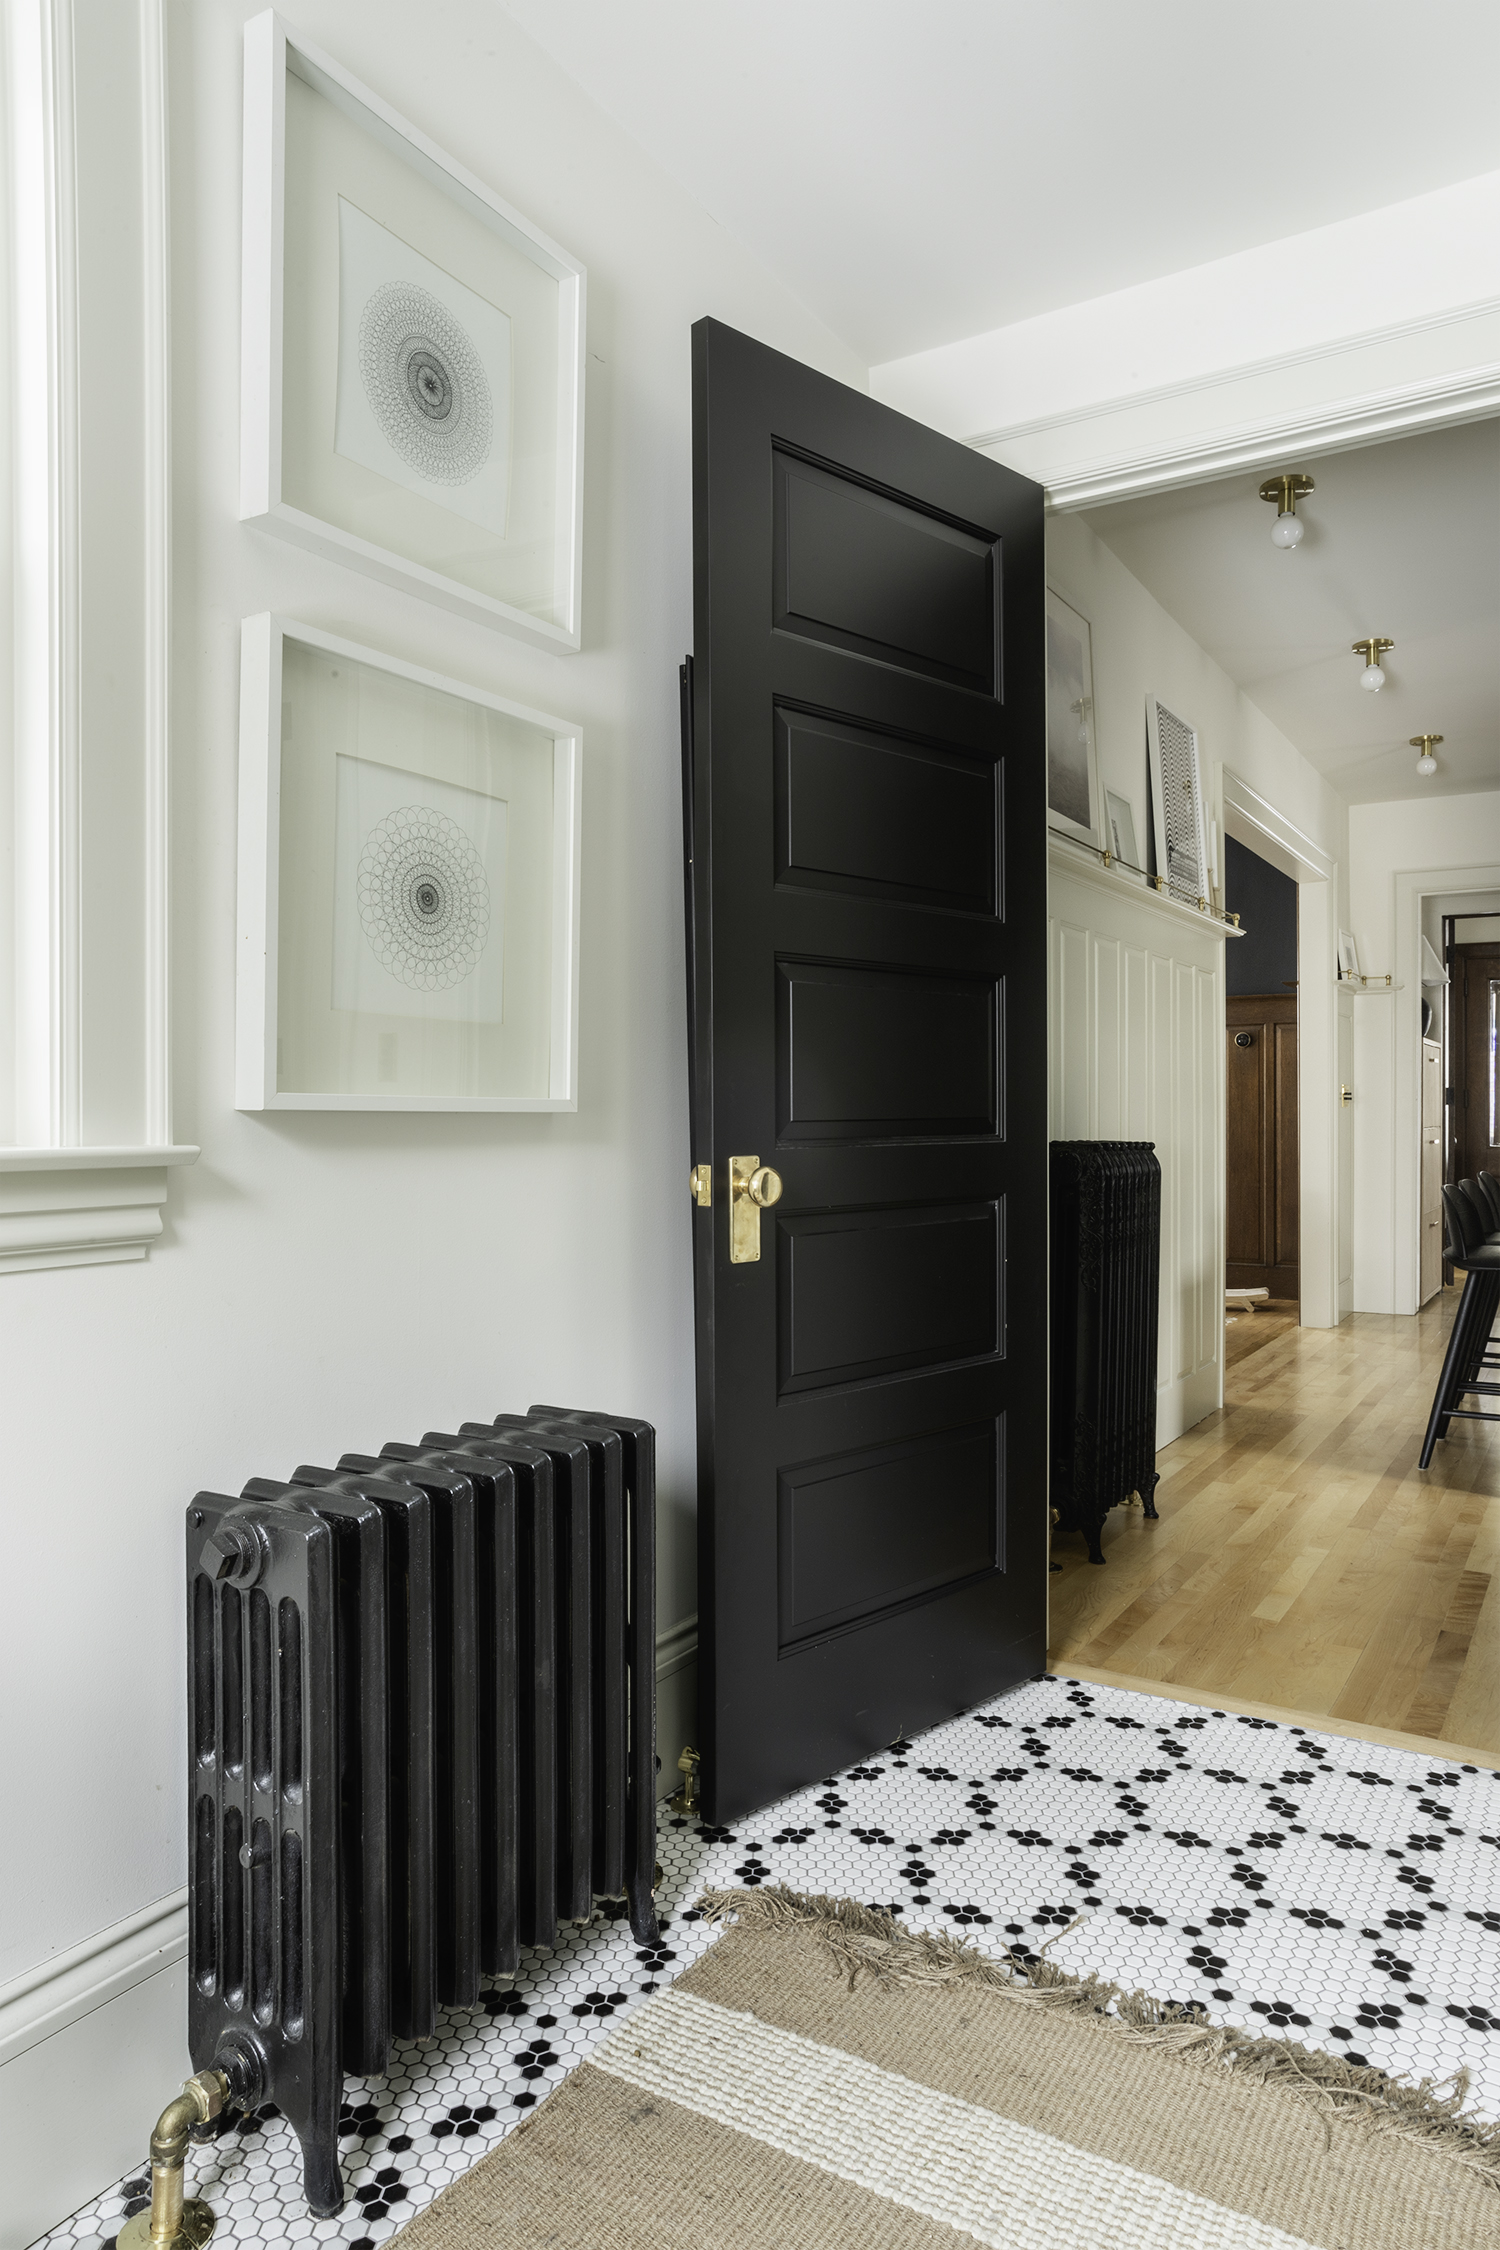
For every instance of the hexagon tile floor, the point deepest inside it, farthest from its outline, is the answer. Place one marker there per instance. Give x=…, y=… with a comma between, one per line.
x=1347, y=1894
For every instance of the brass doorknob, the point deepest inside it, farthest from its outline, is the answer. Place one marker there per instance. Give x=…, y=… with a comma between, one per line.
x=753, y=1187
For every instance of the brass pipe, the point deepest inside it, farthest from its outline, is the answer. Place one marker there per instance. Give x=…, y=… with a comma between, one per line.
x=173, y=2221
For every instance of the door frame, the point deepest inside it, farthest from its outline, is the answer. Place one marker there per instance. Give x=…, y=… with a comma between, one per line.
x=1324, y=1250
x=1413, y=886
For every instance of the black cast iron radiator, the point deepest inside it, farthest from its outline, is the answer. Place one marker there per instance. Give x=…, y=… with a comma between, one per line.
x=422, y=1706
x=1106, y=1258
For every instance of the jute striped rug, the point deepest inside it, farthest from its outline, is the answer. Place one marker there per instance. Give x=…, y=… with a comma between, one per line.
x=823, y=2077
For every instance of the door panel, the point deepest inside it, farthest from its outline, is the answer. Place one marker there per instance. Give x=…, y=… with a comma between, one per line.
x=872, y=1293
x=883, y=815
x=1262, y=1201
x=871, y=1053
x=867, y=885
x=864, y=571
x=863, y=1534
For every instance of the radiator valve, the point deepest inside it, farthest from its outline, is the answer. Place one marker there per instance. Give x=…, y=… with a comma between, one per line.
x=174, y=2222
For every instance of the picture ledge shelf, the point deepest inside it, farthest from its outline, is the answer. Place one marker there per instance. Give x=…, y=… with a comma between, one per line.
x=1088, y=861
x=1368, y=988
x=82, y=1206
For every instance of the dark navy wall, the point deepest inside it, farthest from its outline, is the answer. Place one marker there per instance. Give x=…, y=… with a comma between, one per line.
x=1265, y=959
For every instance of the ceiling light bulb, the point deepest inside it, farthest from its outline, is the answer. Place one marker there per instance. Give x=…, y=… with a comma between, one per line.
x=1372, y=648
x=1427, y=764
x=1284, y=492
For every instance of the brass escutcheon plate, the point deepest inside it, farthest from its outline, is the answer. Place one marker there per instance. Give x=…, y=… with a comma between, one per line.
x=197, y=2226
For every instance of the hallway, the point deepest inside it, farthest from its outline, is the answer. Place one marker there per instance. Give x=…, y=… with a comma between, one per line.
x=1302, y=1562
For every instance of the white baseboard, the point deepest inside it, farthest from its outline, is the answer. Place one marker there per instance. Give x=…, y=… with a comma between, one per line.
x=109, y=2018
x=95, y=2037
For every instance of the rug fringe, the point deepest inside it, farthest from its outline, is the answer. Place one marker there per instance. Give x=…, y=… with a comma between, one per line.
x=870, y=1939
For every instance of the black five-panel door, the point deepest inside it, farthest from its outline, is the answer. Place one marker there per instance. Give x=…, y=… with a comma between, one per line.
x=868, y=994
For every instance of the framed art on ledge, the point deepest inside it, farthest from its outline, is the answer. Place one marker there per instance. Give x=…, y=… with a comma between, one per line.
x=1072, y=752
x=411, y=394
x=408, y=886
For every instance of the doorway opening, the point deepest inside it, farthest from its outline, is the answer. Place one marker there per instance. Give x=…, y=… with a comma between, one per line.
x=1262, y=1201
x=1471, y=1020
x=1300, y=1559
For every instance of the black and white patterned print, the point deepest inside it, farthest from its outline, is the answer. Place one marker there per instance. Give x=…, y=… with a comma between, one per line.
x=1278, y=1878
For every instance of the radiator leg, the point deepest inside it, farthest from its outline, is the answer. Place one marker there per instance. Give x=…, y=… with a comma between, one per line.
x=322, y=2181
x=175, y=2223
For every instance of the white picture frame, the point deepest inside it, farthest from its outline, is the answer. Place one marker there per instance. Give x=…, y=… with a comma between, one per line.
x=273, y=986
x=1072, y=750
x=1119, y=814
x=1179, y=826
x=295, y=480
x=1348, y=958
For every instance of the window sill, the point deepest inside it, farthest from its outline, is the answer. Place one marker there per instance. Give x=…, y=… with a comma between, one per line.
x=82, y=1206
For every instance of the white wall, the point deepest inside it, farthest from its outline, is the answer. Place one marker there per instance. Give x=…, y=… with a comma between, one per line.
x=1399, y=854
x=1139, y=649
x=332, y=1281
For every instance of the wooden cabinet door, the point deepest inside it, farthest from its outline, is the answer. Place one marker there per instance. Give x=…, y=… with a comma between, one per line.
x=1262, y=1215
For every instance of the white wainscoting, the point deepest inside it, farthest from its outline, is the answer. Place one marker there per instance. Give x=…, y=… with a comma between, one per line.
x=1136, y=1053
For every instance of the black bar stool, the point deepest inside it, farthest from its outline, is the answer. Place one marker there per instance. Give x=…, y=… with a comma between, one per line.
x=1489, y=1188
x=1476, y=1247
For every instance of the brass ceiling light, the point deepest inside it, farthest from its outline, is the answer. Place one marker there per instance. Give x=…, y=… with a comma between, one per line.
x=1372, y=648
x=1427, y=763
x=1286, y=491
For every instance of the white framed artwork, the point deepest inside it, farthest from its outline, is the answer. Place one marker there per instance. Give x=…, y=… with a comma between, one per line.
x=412, y=354
x=1179, y=826
x=408, y=886
x=1348, y=958
x=1121, y=817
x=1072, y=753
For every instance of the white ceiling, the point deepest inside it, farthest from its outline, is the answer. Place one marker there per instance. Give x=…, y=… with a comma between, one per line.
x=918, y=171
x=1401, y=539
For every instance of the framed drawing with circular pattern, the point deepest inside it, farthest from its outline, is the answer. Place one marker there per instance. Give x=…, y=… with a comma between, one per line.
x=408, y=886
x=411, y=395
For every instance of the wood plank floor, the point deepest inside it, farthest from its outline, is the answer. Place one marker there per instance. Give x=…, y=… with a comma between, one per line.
x=1302, y=1561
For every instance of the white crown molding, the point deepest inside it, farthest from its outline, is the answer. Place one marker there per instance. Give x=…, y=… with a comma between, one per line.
x=1244, y=371
x=1442, y=403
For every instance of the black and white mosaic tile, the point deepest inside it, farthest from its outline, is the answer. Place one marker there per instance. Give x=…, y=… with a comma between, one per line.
x=1282, y=1880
